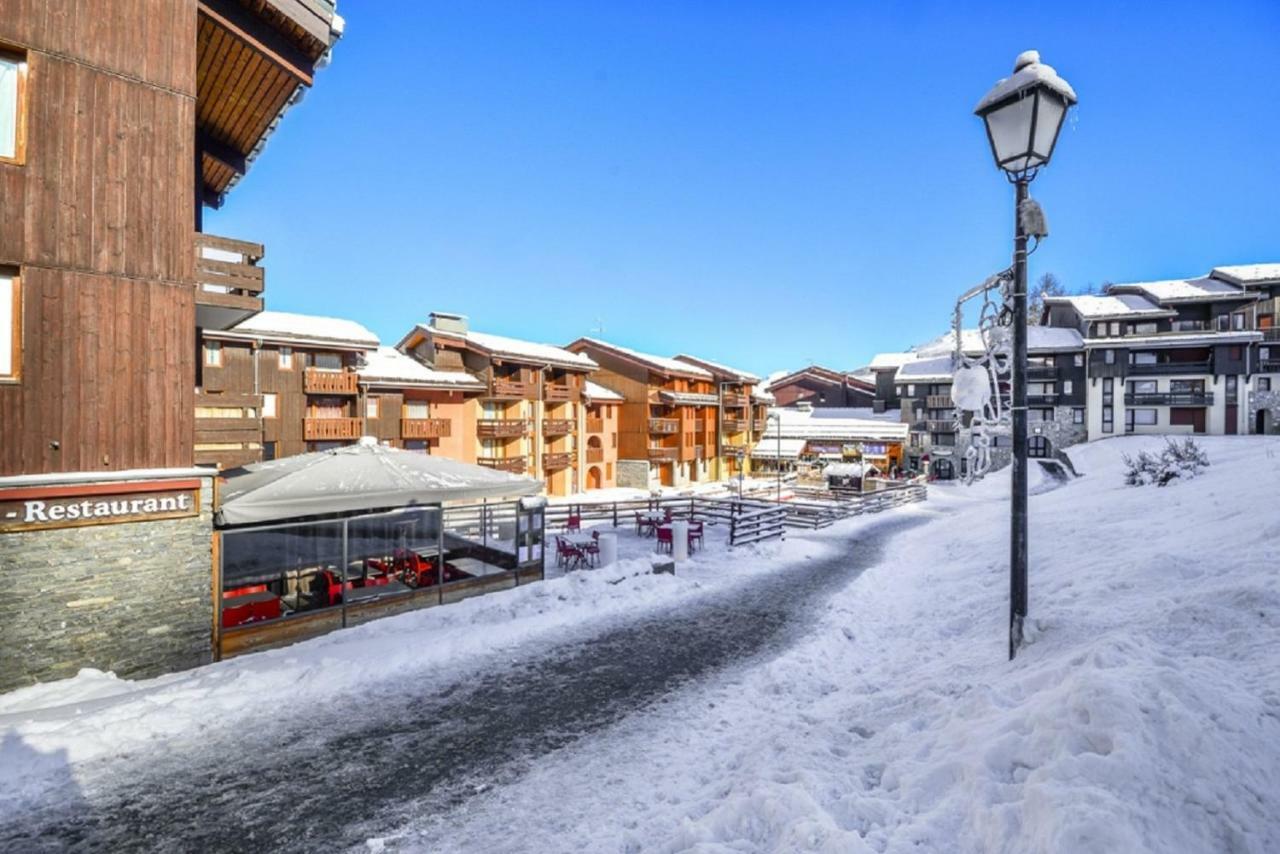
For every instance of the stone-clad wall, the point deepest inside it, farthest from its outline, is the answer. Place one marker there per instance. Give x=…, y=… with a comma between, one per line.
x=633, y=474
x=1260, y=400
x=133, y=598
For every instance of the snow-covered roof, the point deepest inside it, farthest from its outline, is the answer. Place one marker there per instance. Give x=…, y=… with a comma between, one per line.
x=775, y=448
x=935, y=368
x=885, y=361
x=857, y=413
x=514, y=348
x=660, y=363
x=849, y=470
x=1097, y=307
x=1040, y=339
x=305, y=328
x=1248, y=274
x=760, y=395
x=717, y=368
x=1177, y=339
x=388, y=366
x=595, y=391
x=685, y=398
x=1203, y=289
x=1028, y=71
x=801, y=424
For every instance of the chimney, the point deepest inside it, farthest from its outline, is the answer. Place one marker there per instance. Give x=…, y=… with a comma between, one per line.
x=445, y=322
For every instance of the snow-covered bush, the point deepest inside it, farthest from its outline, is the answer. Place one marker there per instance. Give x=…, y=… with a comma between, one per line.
x=1183, y=460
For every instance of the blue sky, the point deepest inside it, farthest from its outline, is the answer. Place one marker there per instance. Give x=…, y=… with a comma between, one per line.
x=766, y=184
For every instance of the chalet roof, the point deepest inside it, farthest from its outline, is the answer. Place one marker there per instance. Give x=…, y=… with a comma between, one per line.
x=595, y=391
x=660, y=364
x=888, y=361
x=304, y=329
x=1248, y=274
x=388, y=366
x=513, y=349
x=935, y=369
x=718, y=369
x=775, y=448
x=817, y=372
x=1100, y=307
x=1202, y=289
x=799, y=424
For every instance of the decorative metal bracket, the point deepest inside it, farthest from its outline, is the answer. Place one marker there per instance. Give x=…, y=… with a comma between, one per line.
x=981, y=385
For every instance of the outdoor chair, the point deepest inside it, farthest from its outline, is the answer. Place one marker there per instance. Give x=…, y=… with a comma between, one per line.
x=664, y=539
x=592, y=549
x=329, y=587
x=695, y=534
x=573, y=523
x=667, y=516
x=567, y=554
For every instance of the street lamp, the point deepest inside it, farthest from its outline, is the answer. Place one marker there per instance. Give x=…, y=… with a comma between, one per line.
x=1023, y=114
x=776, y=418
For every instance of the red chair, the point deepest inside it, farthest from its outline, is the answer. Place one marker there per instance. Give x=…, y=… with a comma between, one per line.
x=567, y=554
x=244, y=591
x=667, y=516
x=664, y=538
x=329, y=587
x=695, y=534
x=591, y=550
x=573, y=523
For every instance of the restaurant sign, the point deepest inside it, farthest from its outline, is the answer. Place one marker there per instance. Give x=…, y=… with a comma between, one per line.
x=43, y=508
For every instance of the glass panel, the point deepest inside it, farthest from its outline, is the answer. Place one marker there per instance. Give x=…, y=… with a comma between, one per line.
x=1048, y=118
x=274, y=572
x=327, y=361
x=1010, y=129
x=10, y=69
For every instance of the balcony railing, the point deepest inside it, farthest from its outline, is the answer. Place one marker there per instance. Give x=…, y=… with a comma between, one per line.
x=328, y=429
x=515, y=465
x=1042, y=399
x=424, y=428
x=556, y=462
x=1271, y=333
x=938, y=401
x=229, y=282
x=733, y=399
x=1172, y=398
x=1042, y=372
x=595, y=425
x=595, y=455
x=941, y=426
x=760, y=425
x=1202, y=367
x=509, y=388
x=662, y=453
x=1268, y=366
x=320, y=381
x=556, y=426
x=664, y=426
x=501, y=428
x=553, y=393
x=733, y=425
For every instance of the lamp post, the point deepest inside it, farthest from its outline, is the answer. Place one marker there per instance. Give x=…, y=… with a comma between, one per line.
x=776, y=418
x=1023, y=114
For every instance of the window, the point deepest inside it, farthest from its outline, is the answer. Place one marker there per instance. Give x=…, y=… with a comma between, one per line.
x=269, y=405
x=1142, y=417
x=1187, y=386
x=1109, y=357
x=1115, y=327
x=1039, y=414
x=613, y=439
x=13, y=120
x=213, y=354
x=911, y=391
x=1078, y=360
x=286, y=358
x=1264, y=353
x=1236, y=353
x=1231, y=386
x=268, y=451
x=327, y=361
x=1143, y=387
x=1264, y=383
x=1108, y=419
x=1077, y=415
x=1145, y=328
x=1041, y=389
x=371, y=407
x=10, y=327
x=1108, y=390
x=1143, y=359
x=1037, y=447
x=1237, y=321
x=416, y=409
x=608, y=471
x=1066, y=386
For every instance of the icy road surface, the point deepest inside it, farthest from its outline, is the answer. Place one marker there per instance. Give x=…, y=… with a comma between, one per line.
x=367, y=764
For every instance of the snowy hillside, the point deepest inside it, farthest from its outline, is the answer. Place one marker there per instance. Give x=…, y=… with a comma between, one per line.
x=1145, y=716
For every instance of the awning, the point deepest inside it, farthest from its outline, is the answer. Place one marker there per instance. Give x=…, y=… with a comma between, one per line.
x=768, y=449
x=355, y=479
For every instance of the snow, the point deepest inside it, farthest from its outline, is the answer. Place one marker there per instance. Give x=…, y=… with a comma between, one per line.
x=1142, y=717
x=772, y=449
x=1203, y=289
x=308, y=327
x=500, y=345
x=1040, y=339
x=661, y=363
x=884, y=361
x=389, y=365
x=1093, y=306
x=598, y=393
x=936, y=368
x=716, y=367
x=1248, y=274
x=1178, y=339
x=801, y=424
x=862, y=413
x=1028, y=71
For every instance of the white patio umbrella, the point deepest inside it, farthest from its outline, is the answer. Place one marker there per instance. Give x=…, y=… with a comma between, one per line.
x=361, y=477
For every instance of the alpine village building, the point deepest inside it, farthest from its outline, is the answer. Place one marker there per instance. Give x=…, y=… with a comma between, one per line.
x=823, y=387
x=119, y=121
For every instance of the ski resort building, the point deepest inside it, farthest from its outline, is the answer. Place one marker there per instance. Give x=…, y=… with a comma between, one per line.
x=823, y=387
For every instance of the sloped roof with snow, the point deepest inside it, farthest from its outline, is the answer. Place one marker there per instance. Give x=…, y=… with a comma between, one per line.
x=285, y=326
x=1096, y=307
x=1203, y=289
x=514, y=348
x=936, y=368
x=1248, y=274
x=595, y=391
x=659, y=363
x=885, y=361
x=717, y=368
x=1040, y=339
x=799, y=424
x=388, y=366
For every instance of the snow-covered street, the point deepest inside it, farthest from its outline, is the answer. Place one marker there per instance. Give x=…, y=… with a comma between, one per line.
x=843, y=691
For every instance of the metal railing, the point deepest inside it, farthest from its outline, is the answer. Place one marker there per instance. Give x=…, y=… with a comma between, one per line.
x=1203, y=398
x=1198, y=367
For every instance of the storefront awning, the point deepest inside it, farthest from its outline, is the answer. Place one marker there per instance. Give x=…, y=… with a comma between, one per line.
x=768, y=449
x=355, y=479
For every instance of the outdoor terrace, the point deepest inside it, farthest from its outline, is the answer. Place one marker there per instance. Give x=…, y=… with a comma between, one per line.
x=664, y=426
x=229, y=282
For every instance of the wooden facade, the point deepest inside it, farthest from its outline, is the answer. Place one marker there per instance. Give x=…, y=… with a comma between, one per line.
x=822, y=387
x=99, y=214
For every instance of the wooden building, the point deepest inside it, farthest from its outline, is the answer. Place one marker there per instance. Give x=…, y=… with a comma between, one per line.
x=668, y=423
x=742, y=414
x=408, y=405
x=600, y=456
x=822, y=387
x=529, y=418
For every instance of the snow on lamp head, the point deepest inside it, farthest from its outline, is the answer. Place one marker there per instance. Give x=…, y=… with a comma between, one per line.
x=1023, y=114
x=971, y=388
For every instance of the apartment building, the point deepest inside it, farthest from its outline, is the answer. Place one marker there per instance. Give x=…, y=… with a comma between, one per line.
x=742, y=414
x=600, y=457
x=668, y=428
x=530, y=417
x=822, y=387
x=407, y=405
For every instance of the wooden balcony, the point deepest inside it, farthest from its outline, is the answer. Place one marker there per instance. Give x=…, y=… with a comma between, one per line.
x=319, y=381
x=556, y=462
x=760, y=425
x=557, y=426
x=229, y=282
x=227, y=458
x=664, y=426
x=733, y=399
x=595, y=425
x=938, y=401
x=936, y=426
x=331, y=429
x=1042, y=399
x=663, y=454
x=553, y=393
x=501, y=428
x=733, y=425
x=1042, y=372
x=425, y=428
x=515, y=465
x=509, y=389
x=595, y=455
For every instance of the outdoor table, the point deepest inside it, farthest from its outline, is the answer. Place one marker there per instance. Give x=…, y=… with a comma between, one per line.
x=689, y=537
x=579, y=538
x=651, y=519
x=360, y=594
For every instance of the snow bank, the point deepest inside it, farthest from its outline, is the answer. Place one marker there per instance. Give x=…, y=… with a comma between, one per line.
x=1143, y=716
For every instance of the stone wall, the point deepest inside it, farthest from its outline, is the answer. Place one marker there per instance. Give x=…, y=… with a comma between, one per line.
x=633, y=474
x=134, y=598
x=1264, y=401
